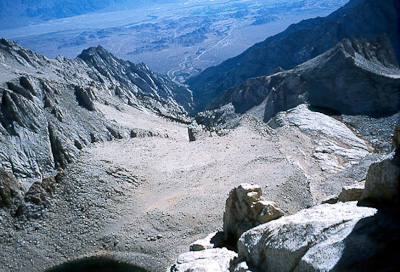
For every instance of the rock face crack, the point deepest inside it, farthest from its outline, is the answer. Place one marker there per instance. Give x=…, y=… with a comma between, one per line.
x=60, y=158
x=7, y=115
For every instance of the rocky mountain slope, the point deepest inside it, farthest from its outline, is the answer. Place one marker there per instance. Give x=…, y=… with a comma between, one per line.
x=355, y=77
x=144, y=200
x=299, y=43
x=354, y=231
x=50, y=109
x=97, y=161
x=138, y=78
x=147, y=194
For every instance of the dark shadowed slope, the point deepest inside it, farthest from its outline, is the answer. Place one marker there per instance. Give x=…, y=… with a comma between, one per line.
x=354, y=77
x=299, y=43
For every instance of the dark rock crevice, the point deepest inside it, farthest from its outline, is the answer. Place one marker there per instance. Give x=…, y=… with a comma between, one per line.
x=8, y=114
x=26, y=83
x=85, y=98
x=19, y=90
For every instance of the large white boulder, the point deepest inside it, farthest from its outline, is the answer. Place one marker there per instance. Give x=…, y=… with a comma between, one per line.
x=311, y=240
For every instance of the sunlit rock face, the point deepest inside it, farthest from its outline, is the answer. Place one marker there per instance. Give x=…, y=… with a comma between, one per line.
x=245, y=208
x=311, y=240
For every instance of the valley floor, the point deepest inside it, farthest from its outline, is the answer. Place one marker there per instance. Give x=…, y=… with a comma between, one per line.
x=144, y=200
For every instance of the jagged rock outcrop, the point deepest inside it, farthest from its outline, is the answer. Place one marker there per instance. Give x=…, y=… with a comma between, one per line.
x=311, y=240
x=349, y=193
x=299, y=43
x=52, y=109
x=39, y=193
x=138, y=78
x=85, y=98
x=327, y=83
x=196, y=132
x=211, y=260
x=246, y=208
x=22, y=204
x=222, y=117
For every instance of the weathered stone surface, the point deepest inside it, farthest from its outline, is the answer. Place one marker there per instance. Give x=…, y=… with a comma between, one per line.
x=85, y=97
x=396, y=136
x=241, y=267
x=311, y=240
x=210, y=260
x=213, y=240
x=332, y=199
x=39, y=193
x=348, y=193
x=383, y=178
x=337, y=146
x=246, y=208
x=352, y=192
x=197, y=132
x=222, y=117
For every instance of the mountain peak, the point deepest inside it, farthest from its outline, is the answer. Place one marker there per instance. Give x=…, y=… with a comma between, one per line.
x=136, y=76
x=4, y=41
x=89, y=53
x=9, y=44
